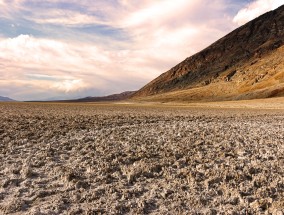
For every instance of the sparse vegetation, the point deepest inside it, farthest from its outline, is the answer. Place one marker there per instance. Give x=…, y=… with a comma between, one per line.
x=123, y=159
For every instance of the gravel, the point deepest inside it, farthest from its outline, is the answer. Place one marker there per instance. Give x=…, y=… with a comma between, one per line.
x=127, y=159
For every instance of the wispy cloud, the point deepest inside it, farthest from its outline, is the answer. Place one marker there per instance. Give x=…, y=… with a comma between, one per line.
x=62, y=67
x=255, y=9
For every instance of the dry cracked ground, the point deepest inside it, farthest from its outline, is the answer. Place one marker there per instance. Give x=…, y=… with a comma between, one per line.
x=104, y=159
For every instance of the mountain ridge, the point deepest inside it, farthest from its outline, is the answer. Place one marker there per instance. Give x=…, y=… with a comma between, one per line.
x=6, y=99
x=222, y=62
x=109, y=98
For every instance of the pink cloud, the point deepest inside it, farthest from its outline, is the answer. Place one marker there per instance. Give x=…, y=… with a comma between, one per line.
x=255, y=9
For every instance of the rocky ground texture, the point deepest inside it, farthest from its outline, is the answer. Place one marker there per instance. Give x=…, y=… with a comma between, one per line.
x=103, y=159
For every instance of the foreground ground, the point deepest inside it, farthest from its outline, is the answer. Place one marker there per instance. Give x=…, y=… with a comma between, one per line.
x=130, y=159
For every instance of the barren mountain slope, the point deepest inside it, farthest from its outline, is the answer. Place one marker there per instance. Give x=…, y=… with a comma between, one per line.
x=246, y=63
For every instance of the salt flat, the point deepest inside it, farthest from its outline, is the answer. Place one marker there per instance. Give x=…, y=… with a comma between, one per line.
x=205, y=158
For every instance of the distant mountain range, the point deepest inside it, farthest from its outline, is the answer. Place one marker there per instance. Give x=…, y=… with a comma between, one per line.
x=248, y=63
x=5, y=99
x=109, y=98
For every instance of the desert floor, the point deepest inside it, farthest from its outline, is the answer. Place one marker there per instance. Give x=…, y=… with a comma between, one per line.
x=218, y=158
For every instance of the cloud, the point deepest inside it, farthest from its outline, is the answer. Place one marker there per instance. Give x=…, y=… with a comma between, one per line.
x=68, y=85
x=255, y=9
x=62, y=67
x=63, y=17
x=166, y=32
x=59, y=65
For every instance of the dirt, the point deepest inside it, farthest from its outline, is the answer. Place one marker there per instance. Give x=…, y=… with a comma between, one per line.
x=126, y=159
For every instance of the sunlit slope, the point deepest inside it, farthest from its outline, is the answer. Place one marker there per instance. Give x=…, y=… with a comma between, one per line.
x=245, y=64
x=258, y=78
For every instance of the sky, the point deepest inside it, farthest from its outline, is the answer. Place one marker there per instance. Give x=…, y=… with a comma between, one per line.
x=64, y=49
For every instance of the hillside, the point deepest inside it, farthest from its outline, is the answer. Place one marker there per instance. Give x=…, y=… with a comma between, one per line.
x=5, y=99
x=113, y=97
x=248, y=63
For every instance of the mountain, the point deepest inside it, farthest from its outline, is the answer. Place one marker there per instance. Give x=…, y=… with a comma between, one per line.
x=113, y=97
x=5, y=99
x=248, y=63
